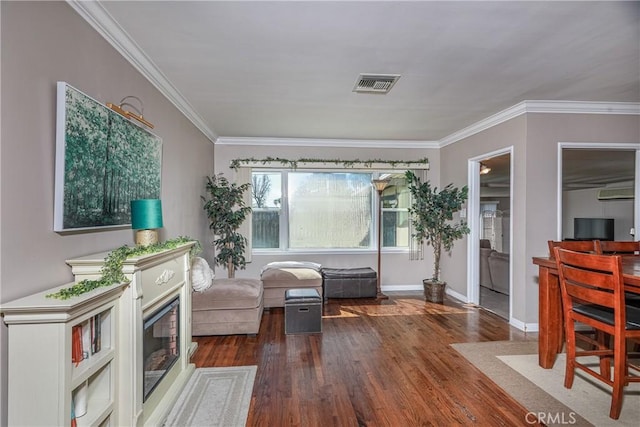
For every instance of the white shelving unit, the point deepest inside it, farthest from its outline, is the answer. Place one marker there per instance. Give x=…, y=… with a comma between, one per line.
x=44, y=382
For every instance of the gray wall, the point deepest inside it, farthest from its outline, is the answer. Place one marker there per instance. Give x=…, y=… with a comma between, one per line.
x=585, y=204
x=42, y=43
x=535, y=139
x=397, y=270
x=544, y=132
x=455, y=156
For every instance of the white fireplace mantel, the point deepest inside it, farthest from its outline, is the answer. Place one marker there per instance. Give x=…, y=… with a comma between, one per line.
x=155, y=279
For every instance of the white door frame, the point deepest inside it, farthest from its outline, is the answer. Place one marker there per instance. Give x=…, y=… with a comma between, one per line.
x=598, y=146
x=473, y=219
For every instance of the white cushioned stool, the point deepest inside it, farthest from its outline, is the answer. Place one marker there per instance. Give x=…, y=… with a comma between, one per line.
x=228, y=307
x=277, y=277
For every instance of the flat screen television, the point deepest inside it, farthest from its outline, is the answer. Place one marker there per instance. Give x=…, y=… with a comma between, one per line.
x=593, y=228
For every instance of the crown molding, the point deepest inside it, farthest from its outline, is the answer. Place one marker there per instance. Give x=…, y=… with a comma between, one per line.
x=579, y=107
x=548, y=107
x=97, y=16
x=310, y=142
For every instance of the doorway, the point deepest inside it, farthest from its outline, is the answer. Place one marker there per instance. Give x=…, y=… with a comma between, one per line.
x=599, y=181
x=490, y=204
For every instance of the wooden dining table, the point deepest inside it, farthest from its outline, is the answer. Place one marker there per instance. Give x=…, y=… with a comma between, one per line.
x=550, y=324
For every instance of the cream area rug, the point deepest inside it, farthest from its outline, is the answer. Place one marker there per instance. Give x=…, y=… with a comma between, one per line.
x=214, y=397
x=513, y=365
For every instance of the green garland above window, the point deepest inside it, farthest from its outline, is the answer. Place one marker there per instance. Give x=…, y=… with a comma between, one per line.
x=112, y=268
x=347, y=164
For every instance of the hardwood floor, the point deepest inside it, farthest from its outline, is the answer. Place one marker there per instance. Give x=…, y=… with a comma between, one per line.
x=376, y=363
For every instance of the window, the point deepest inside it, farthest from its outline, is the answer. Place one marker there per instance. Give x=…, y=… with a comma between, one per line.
x=326, y=210
x=395, y=213
x=266, y=200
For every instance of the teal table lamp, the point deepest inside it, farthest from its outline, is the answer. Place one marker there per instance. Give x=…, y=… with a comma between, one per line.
x=146, y=218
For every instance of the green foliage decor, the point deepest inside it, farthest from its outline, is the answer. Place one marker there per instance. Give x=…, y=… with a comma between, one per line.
x=226, y=210
x=432, y=212
x=112, y=268
x=293, y=164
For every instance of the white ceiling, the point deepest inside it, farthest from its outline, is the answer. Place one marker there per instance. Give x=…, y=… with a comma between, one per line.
x=287, y=69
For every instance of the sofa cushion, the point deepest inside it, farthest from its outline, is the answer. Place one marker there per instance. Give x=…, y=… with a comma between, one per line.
x=291, y=277
x=228, y=294
x=292, y=264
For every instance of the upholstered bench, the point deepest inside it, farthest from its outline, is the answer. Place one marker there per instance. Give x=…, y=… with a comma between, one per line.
x=350, y=282
x=277, y=277
x=228, y=307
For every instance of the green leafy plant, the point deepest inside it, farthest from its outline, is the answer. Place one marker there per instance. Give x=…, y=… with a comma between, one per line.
x=226, y=210
x=432, y=212
x=293, y=164
x=112, y=267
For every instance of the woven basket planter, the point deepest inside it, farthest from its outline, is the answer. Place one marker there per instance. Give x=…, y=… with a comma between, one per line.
x=434, y=291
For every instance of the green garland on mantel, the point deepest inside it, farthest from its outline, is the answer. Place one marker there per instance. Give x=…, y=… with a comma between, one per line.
x=112, y=268
x=293, y=164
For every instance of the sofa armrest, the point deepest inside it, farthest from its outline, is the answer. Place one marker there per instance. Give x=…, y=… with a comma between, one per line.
x=499, y=270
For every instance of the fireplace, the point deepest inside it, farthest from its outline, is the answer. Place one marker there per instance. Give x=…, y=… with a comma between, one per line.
x=153, y=336
x=161, y=349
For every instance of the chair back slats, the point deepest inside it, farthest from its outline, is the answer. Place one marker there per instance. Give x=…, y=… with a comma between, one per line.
x=588, y=246
x=591, y=278
x=618, y=247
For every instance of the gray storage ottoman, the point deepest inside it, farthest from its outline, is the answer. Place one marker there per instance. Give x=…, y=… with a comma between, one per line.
x=349, y=282
x=302, y=311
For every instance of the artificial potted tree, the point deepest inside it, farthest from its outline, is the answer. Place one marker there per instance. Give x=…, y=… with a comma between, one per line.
x=432, y=215
x=226, y=210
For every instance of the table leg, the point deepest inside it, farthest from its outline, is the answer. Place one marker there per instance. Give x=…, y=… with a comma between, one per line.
x=549, y=318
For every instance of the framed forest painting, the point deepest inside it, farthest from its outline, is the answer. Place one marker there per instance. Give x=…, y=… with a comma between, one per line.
x=103, y=161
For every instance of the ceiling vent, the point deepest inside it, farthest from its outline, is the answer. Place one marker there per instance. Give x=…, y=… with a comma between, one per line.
x=615, y=193
x=375, y=83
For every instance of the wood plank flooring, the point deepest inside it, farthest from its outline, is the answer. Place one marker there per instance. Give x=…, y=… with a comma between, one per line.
x=376, y=363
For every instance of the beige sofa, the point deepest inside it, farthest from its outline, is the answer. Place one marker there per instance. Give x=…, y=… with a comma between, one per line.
x=277, y=277
x=228, y=307
x=494, y=269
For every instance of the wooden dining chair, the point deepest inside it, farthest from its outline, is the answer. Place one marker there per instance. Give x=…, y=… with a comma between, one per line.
x=588, y=246
x=592, y=290
x=610, y=247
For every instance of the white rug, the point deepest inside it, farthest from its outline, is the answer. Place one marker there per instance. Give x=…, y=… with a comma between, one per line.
x=588, y=397
x=215, y=397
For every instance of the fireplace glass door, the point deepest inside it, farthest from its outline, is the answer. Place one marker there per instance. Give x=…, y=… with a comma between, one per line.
x=161, y=346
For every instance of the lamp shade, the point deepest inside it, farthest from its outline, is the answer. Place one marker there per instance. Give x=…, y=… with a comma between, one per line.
x=380, y=184
x=146, y=214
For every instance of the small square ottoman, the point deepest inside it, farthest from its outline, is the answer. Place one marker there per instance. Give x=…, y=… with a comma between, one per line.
x=302, y=311
x=227, y=307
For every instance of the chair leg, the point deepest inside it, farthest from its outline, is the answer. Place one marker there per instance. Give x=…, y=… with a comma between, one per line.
x=619, y=375
x=571, y=353
x=605, y=341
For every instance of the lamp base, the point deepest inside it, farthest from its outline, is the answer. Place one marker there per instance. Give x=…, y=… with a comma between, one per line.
x=146, y=237
x=380, y=295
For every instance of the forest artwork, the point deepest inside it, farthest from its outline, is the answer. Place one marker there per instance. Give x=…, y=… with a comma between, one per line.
x=103, y=161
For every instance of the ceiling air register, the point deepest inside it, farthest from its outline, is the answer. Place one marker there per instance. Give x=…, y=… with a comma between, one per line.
x=375, y=83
